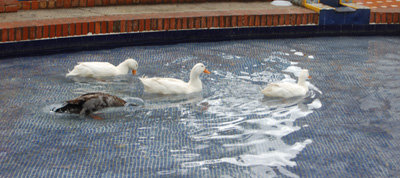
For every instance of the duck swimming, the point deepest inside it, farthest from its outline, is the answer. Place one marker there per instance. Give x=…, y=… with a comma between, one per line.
x=288, y=89
x=167, y=86
x=88, y=103
x=103, y=69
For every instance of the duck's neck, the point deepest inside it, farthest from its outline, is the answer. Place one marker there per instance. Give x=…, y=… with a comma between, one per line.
x=302, y=82
x=195, y=81
x=123, y=68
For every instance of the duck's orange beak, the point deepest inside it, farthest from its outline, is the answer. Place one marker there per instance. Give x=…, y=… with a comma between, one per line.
x=309, y=76
x=206, y=71
x=134, y=72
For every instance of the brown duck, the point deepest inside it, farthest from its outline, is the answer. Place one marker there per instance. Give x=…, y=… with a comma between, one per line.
x=88, y=103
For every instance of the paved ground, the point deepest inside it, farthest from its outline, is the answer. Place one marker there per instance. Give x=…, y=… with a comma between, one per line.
x=137, y=9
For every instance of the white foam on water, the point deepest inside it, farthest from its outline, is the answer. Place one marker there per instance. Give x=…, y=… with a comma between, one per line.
x=299, y=53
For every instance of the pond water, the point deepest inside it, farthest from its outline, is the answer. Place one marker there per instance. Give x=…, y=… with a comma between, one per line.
x=348, y=124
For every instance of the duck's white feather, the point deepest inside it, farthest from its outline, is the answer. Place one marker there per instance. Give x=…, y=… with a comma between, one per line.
x=102, y=69
x=284, y=90
x=165, y=86
x=168, y=86
x=288, y=89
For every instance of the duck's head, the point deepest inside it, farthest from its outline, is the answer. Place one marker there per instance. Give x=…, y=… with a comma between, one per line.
x=132, y=64
x=200, y=68
x=304, y=74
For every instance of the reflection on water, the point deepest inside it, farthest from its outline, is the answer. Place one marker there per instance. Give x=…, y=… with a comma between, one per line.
x=248, y=127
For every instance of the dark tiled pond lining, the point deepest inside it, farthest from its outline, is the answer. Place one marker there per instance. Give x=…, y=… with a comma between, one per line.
x=92, y=42
x=354, y=134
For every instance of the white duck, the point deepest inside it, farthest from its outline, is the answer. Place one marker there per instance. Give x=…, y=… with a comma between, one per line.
x=174, y=86
x=103, y=69
x=287, y=89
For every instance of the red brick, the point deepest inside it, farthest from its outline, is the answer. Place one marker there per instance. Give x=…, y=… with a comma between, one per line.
x=197, y=22
x=51, y=4
x=75, y=3
x=316, y=19
x=240, y=21
x=281, y=19
x=71, y=29
x=221, y=22
x=97, y=27
x=91, y=27
x=11, y=8
x=35, y=5
x=287, y=19
x=191, y=23
x=110, y=25
x=396, y=18
x=184, y=23
x=43, y=4
x=78, y=29
x=377, y=17
x=97, y=2
x=82, y=3
x=179, y=23
x=172, y=24
x=129, y=1
x=10, y=2
x=257, y=21
x=18, y=34
x=263, y=20
x=293, y=19
x=11, y=34
x=52, y=32
x=58, y=30
x=2, y=9
x=103, y=27
x=65, y=31
x=203, y=22
x=90, y=3
x=304, y=20
x=372, y=17
x=67, y=3
x=209, y=22
x=159, y=24
x=251, y=20
x=147, y=24
x=113, y=2
x=215, y=21
x=269, y=20
x=85, y=28
x=245, y=20
x=228, y=21
x=32, y=33
x=153, y=24
x=129, y=25
x=383, y=17
x=4, y=35
x=141, y=25
x=59, y=3
x=135, y=25
x=275, y=20
x=123, y=26
x=46, y=32
x=389, y=17
x=299, y=18
x=39, y=32
x=166, y=24
x=106, y=2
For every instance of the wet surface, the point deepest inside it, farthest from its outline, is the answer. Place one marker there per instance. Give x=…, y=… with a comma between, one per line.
x=347, y=126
